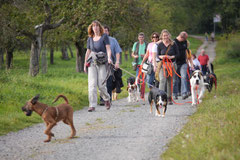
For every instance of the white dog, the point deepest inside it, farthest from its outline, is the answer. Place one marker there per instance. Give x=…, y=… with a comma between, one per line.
x=197, y=85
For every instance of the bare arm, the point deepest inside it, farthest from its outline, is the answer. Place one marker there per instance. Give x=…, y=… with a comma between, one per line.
x=117, y=60
x=109, y=53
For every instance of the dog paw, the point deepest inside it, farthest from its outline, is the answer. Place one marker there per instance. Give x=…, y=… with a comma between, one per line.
x=47, y=140
x=163, y=116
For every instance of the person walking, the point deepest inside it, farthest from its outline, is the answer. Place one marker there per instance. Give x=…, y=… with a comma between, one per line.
x=149, y=57
x=116, y=51
x=167, y=51
x=182, y=66
x=203, y=59
x=139, y=51
x=97, y=42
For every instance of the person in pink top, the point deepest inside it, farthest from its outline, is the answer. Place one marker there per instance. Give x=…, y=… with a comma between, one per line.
x=149, y=57
x=204, y=60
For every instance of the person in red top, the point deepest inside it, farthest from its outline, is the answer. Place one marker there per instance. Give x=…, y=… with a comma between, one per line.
x=203, y=59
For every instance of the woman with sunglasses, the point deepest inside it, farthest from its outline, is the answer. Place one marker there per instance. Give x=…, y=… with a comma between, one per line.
x=149, y=56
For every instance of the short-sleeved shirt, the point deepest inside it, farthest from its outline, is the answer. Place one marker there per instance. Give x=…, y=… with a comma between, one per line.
x=203, y=59
x=115, y=48
x=196, y=64
x=149, y=49
x=173, y=51
x=182, y=46
x=100, y=45
x=141, y=50
x=155, y=50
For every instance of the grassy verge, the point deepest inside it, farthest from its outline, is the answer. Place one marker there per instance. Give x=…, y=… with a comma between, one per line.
x=17, y=87
x=213, y=131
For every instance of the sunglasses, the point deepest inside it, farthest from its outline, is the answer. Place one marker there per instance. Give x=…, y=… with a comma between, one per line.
x=155, y=37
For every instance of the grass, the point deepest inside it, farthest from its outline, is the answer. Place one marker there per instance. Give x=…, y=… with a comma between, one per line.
x=17, y=87
x=213, y=132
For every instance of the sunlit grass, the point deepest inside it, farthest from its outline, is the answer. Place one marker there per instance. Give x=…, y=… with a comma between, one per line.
x=213, y=131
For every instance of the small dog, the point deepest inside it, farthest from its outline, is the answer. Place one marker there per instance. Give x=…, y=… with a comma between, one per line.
x=210, y=79
x=51, y=115
x=160, y=98
x=132, y=90
x=197, y=84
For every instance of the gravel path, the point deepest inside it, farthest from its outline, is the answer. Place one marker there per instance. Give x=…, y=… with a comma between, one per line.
x=126, y=131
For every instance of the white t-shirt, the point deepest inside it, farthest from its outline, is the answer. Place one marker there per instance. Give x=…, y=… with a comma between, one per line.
x=196, y=63
x=155, y=50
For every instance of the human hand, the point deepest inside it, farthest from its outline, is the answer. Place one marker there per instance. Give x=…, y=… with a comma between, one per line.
x=109, y=61
x=116, y=65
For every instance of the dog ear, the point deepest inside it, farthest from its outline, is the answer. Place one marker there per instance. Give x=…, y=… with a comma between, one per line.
x=35, y=99
x=192, y=74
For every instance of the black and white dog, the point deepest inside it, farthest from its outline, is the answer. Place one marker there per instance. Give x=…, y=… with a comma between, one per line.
x=132, y=90
x=210, y=79
x=197, y=86
x=158, y=97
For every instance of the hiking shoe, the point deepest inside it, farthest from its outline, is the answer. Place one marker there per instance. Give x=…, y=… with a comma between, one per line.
x=91, y=109
x=107, y=105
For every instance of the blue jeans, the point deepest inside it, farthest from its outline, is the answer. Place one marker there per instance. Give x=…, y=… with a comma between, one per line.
x=182, y=70
x=150, y=79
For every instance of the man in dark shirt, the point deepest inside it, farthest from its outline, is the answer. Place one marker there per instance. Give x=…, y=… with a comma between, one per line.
x=182, y=66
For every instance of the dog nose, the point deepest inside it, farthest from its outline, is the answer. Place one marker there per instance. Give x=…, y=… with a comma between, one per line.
x=197, y=81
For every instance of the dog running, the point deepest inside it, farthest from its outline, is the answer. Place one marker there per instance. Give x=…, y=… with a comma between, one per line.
x=132, y=90
x=51, y=115
x=158, y=97
x=197, y=85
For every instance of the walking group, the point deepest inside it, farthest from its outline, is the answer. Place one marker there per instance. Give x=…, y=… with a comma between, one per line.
x=170, y=59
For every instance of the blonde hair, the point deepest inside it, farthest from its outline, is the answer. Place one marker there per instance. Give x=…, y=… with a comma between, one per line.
x=169, y=34
x=90, y=30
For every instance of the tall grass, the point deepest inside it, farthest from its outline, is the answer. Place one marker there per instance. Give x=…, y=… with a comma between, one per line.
x=17, y=87
x=213, y=131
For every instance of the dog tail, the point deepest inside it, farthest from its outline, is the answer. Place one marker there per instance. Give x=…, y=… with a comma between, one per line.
x=65, y=98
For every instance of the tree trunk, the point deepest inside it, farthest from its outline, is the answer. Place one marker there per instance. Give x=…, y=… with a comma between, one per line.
x=80, y=55
x=51, y=56
x=64, y=53
x=70, y=49
x=9, y=58
x=34, y=59
x=1, y=58
x=44, y=61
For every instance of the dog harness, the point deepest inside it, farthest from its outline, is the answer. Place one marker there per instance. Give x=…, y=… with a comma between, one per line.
x=56, y=111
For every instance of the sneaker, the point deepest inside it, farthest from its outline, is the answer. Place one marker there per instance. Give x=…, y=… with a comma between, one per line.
x=184, y=96
x=175, y=97
x=91, y=109
x=107, y=105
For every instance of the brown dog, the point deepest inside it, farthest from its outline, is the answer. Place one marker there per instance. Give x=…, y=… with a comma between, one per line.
x=51, y=115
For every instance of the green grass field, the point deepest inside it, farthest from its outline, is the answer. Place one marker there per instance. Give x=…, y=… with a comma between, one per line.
x=17, y=87
x=213, y=132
